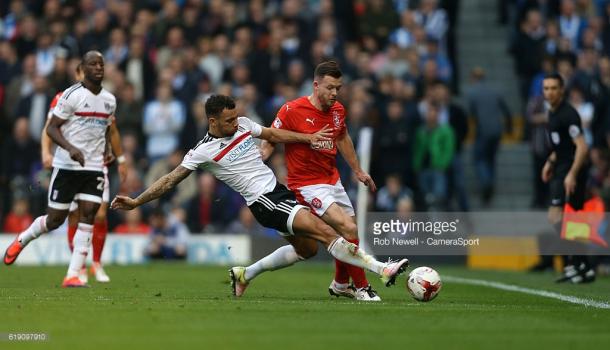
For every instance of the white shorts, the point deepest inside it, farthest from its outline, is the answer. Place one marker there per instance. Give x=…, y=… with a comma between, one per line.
x=320, y=197
x=105, y=194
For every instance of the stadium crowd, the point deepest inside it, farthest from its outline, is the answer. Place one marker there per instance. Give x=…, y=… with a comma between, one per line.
x=164, y=58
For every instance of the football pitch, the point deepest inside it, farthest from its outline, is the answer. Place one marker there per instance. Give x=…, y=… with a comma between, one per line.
x=178, y=306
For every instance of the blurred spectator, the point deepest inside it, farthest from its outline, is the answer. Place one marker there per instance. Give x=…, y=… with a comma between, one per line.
x=45, y=54
x=571, y=24
x=393, y=140
x=61, y=76
x=174, y=46
x=169, y=237
x=404, y=208
x=458, y=121
x=62, y=39
x=26, y=35
x=20, y=86
x=245, y=223
x=528, y=51
x=391, y=193
x=21, y=144
x=440, y=58
x=139, y=70
x=35, y=107
x=97, y=37
x=129, y=112
x=19, y=157
x=488, y=109
x=9, y=63
x=213, y=207
x=432, y=155
x=133, y=223
x=19, y=218
x=378, y=20
x=117, y=51
x=404, y=35
x=434, y=21
x=164, y=118
x=537, y=117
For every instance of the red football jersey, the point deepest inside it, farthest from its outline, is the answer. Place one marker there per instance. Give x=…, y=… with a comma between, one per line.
x=311, y=164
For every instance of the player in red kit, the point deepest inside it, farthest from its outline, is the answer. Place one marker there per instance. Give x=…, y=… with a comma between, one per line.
x=313, y=174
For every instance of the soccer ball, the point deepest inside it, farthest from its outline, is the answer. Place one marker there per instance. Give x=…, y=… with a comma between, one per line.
x=424, y=283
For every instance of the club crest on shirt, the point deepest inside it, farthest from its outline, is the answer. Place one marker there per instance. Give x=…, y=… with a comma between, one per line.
x=277, y=123
x=555, y=137
x=336, y=119
x=108, y=106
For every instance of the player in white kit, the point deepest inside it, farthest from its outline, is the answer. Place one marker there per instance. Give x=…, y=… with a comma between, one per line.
x=79, y=127
x=100, y=223
x=228, y=151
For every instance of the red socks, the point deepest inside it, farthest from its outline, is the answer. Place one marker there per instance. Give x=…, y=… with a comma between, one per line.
x=357, y=273
x=341, y=273
x=344, y=271
x=100, y=230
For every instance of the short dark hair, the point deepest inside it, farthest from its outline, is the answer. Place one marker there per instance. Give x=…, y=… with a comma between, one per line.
x=555, y=76
x=330, y=68
x=89, y=55
x=217, y=103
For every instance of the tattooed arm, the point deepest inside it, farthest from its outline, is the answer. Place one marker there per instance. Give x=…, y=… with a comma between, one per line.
x=155, y=190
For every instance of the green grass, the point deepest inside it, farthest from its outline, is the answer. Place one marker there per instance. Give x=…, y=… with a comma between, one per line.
x=167, y=306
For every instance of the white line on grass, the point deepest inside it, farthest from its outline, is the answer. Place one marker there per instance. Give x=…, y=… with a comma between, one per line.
x=538, y=292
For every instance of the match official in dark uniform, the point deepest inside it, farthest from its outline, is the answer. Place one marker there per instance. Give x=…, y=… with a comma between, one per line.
x=566, y=171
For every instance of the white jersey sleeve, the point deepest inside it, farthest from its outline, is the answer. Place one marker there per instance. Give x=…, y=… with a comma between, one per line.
x=196, y=157
x=255, y=128
x=66, y=106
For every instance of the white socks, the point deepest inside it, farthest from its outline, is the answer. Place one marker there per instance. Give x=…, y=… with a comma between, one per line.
x=280, y=258
x=82, y=243
x=350, y=253
x=38, y=227
x=339, y=248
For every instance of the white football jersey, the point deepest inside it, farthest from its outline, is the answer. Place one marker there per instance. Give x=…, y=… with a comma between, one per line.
x=235, y=161
x=88, y=116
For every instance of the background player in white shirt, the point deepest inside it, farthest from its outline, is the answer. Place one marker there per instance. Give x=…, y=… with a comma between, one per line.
x=100, y=223
x=229, y=153
x=79, y=127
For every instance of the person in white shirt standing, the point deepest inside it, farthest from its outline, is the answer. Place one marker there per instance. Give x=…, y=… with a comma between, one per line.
x=79, y=127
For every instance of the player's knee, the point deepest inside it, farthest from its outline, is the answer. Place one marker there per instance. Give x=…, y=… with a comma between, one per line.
x=54, y=221
x=87, y=217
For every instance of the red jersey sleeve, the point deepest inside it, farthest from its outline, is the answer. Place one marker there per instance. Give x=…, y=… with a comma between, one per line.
x=282, y=118
x=55, y=99
x=53, y=104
